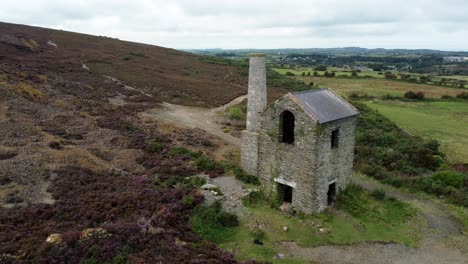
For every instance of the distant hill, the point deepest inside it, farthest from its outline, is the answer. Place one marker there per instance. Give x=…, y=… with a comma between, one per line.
x=345, y=51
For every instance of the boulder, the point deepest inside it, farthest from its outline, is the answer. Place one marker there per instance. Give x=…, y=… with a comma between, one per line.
x=209, y=186
x=54, y=238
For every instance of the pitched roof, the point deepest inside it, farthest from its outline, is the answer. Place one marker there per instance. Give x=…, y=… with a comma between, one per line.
x=324, y=105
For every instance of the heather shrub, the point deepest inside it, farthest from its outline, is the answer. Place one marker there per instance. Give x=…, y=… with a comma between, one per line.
x=379, y=194
x=153, y=146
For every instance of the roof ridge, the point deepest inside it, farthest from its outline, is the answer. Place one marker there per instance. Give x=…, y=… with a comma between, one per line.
x=310, y=91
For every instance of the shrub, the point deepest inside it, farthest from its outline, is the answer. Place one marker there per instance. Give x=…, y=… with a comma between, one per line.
x=379, y=194
x=289, y=74
x=253, y=199
x=236, y=113
x=320, y=68
x=414, y=96
x=197, y=182
x=245, y=177
x=390, y=75
x=463, y=95
x=449, y=178
x=188, y=201
x=206, y=222
x=153, y=146
x=227, y=219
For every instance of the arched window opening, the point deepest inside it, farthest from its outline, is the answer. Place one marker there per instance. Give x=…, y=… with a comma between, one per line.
x=287, y=127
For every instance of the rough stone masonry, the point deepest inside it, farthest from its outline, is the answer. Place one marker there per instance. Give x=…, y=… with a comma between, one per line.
x=301, y=146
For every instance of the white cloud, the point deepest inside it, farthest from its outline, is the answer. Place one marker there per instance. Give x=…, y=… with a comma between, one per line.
x=437, y=24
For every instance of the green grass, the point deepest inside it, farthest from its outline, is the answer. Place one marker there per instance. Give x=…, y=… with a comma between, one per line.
x=389, y=221
x=445, y=121
x=338, y=72
x=379, y=87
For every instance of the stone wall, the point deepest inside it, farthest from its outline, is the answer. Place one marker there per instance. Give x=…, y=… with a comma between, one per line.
x=290, y=163
x=309, y=164
x=249, y=152
x=334, y=164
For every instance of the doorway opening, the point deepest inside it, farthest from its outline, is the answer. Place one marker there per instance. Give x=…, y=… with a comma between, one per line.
x=285, y=193
x=331, y=194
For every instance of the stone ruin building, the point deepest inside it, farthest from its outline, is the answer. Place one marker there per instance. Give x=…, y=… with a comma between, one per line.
x=301, y=146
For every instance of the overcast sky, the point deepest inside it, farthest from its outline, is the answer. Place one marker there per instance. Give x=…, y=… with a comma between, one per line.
x=184, y=24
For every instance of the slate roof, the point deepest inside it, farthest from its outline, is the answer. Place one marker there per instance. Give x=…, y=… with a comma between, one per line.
x=324, y=105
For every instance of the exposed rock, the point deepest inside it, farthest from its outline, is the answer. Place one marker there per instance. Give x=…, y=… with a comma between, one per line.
x=209, y=186
x=51, y=43
x=285, y=207
x=280, y=256
x=180, y=242
x=54, y=238
x=285, y=228
x=93, y=232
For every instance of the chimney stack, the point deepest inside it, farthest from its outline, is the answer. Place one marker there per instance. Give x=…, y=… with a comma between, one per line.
x=257, y=94
x=256, y=104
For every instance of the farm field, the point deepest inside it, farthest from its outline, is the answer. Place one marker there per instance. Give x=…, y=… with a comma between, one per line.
x=379, y=87
x=342, y=72
x=445, y=121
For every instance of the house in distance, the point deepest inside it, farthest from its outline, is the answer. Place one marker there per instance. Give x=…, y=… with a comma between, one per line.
x=301, y=146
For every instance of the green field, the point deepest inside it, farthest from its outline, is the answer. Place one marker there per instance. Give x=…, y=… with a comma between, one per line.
x=445, y=121
x=379, y=87
x=342, y=72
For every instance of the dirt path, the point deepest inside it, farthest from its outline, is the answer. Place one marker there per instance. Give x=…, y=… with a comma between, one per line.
x=442, y=240
x=197, y=117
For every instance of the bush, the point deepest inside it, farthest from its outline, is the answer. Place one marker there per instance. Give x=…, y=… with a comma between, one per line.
x=253, y=199
x=206, y=222
x=414, y=96
x=379, y=194
x=153, y=146
x=245, y=177
x=320, y=68
x=236, y=113
x=289, y=74
x=449, y=178
x=227, y=219
x=463, y=95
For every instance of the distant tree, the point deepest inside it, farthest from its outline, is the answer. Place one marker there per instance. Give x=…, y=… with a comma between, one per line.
x=316, y=74
x=321, y=68
x=308, y=73
x=354, y=73
x=311, y=84
x=462, y=84
x=463, y=95
x=390, y=75
x=414, y=96
x=289, y=74
x=303, y=74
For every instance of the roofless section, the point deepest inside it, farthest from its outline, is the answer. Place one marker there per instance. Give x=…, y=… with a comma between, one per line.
x=324, y=105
